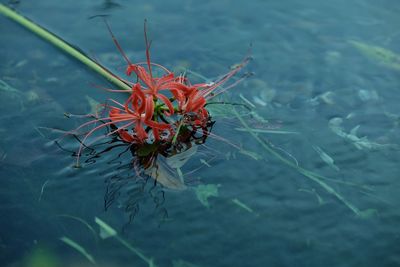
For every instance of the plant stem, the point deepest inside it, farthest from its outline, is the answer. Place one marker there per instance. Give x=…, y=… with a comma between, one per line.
x=63, y=45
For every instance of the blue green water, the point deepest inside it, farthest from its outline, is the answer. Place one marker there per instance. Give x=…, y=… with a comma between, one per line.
x=329, y=71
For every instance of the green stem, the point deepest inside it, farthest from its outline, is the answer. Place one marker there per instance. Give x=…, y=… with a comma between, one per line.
x=64, y=46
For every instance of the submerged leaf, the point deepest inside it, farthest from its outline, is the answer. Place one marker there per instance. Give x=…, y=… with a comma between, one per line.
x=179, y=159
x=359, y=142
x=203, y=161
x=6, y=88
x=368, y=213
x=203, y=192
x=313, y=192
x=82, y=221
x=265, y=131
x=250, y=154
x=326, y=158
x=78, y=248
x=381, y=55
x=106, y=231
x=242, y=205
x=93, y=104
x=311, y=175
x=164, y=177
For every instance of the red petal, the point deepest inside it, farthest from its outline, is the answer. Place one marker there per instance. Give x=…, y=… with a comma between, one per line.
x=167, y=102
x=165, y=79
x=199, y=103
x=156, y=125
x=124, y=135
x=156, y=134
x=149, y=111
x=131, y=68
x=140, y=132
x=144, y=76
x=139, y=107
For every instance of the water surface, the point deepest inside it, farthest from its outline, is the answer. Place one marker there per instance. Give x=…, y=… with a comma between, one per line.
x=321, y=69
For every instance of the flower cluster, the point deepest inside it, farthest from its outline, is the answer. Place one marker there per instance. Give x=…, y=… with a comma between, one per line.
x=159, y=109
x=163, y=104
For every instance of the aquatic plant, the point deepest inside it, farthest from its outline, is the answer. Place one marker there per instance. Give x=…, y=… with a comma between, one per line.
x=381, y=55
x=159, y=111
x=168, y=115
x=106, y=231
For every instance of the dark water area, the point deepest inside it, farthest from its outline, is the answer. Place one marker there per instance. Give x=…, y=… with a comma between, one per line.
x=316, y=184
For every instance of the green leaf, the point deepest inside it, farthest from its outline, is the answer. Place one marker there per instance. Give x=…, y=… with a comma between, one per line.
x=78, y=248
x=204, y=192
x=106, y=231
x=240, y=204
x=379, y=54
x=368, y=213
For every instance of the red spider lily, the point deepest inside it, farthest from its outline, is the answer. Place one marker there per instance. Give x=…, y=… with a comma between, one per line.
x=154, y=85
x=140, y=113
x=137, y=112
x=195, y=103
x=139, y=116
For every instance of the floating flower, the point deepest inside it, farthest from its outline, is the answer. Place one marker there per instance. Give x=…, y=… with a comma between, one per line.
x=159, y=110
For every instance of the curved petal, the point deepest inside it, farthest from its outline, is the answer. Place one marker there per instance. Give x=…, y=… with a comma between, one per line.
x=198, y=103
x=157, y=125
x=131, y=68
x=144, y=76
x=167, y=102
x=165, y=79
x=139, y=106
x=156, y=134
x=140, y=132
x=179, y=96
x=125, y=136
x=176, y=86
x=149, y=110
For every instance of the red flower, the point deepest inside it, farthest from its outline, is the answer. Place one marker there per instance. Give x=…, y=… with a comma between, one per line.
x=139, y=115
x=139, y=110
x=153, y=85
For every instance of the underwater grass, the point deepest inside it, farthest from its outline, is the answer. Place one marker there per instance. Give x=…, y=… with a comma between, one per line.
x=381, y=55
x=82, y=221
x=384, y=55
x=241, y=205
x=78, y=248
x=107, y=231
x=309, y=174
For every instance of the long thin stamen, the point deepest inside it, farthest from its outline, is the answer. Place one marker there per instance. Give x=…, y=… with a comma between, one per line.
x=91, y=132
x=117, y=43
x=110, y=133
x=147, y=48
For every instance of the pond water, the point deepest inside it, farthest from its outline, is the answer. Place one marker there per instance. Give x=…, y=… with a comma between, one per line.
x=315, y=183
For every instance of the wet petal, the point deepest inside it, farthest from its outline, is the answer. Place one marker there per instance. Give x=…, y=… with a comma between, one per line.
x=149, y=110
x=167, y=102
x=157, y=125
x=140, y=132
x=124, y=135
x=165, y=79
